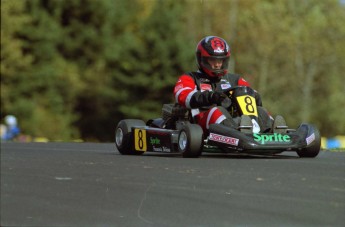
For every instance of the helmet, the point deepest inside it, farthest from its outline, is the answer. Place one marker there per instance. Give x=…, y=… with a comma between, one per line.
x=215, y=48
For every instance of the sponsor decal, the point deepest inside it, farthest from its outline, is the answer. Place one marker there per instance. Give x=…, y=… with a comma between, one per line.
x=155, y=141
x=205, y=87
x=218, y=50
x=310, y=139
x=225, y=86
x=161, y=149
x=223, y=139
x=276, y=137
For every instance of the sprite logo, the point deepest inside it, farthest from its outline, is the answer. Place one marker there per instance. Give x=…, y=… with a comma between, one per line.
x=155, y=141
x=276, y=137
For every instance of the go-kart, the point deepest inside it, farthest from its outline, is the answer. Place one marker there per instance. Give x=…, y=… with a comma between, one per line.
x=177, y=132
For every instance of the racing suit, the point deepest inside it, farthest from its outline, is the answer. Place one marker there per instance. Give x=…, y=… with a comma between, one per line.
x=196, y=91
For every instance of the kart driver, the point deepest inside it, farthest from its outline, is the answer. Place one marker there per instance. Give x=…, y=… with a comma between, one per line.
x=201, y=91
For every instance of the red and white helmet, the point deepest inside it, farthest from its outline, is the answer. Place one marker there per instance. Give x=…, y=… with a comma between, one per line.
x=213, y=47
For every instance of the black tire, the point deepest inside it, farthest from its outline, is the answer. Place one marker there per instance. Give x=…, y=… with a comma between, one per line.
x=313, y=150
x=123, y=136
x=190, y=141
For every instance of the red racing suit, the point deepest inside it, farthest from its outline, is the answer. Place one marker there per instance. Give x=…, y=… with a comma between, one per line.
x=193, y=91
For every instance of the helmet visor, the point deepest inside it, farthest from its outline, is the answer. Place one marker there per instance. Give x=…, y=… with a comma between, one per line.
x=215, y=63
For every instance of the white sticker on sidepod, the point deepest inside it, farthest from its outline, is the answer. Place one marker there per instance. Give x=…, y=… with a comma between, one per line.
x=256, y=127
x=310, y=139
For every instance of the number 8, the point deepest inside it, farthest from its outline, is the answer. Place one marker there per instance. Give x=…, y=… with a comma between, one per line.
x=249, y=106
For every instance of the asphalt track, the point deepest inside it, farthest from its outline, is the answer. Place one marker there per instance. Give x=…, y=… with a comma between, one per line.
x=91, y=184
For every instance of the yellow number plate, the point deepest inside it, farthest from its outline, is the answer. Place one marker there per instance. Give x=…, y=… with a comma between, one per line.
x=248, y=105
x=140, y=139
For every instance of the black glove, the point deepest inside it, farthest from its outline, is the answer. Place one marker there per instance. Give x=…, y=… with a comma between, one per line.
x=207, y=98
x=217, y=97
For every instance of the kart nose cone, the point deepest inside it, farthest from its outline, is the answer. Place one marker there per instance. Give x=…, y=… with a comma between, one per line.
x=119, y=137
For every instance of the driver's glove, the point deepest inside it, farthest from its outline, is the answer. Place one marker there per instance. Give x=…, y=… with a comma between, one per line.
x=207, y=98
x=217, y=97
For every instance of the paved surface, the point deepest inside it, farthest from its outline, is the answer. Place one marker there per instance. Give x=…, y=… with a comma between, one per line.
x=90, y=184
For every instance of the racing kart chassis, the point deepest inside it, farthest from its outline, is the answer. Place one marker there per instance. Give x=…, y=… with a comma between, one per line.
x=134, y=137
x=176, y=132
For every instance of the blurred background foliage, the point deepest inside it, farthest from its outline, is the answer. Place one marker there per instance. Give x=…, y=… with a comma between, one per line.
x=73, y=69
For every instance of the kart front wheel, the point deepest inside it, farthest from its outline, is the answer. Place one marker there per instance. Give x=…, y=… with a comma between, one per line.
x=123, y=136
x=190, y=141
x=313, y=149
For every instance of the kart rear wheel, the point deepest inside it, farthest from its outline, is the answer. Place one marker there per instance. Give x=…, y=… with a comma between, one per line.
x=313, y=150
x=190, y=141
x=123, y=136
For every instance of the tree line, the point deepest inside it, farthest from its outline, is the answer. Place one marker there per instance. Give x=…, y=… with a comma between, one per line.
x=73, y=69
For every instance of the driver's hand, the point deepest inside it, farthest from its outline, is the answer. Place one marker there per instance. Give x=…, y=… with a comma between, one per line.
x=226, y=103
x=217, y=97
